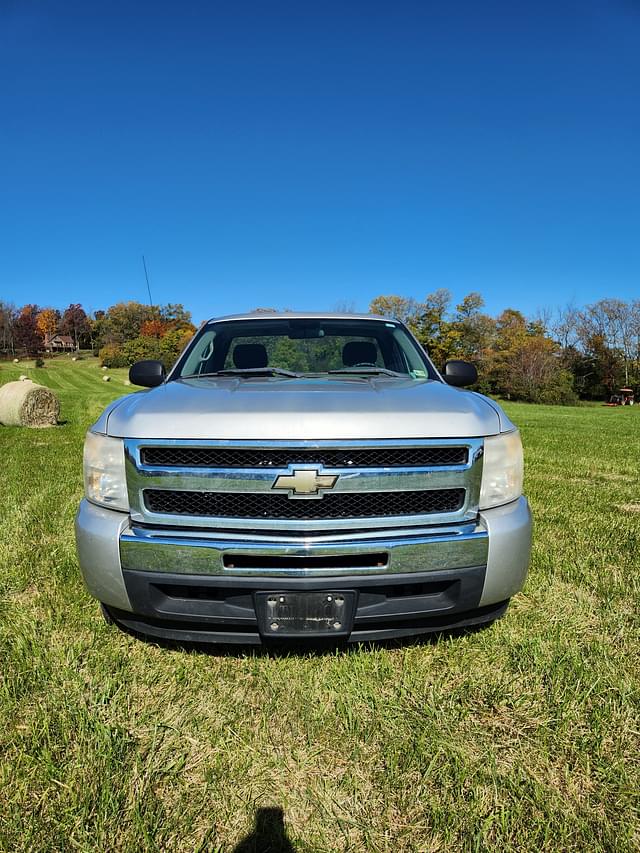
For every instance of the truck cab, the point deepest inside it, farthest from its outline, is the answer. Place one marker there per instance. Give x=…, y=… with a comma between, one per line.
x=303, y=476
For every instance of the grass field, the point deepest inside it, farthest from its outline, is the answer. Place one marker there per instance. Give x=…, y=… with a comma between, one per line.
x=525, y=736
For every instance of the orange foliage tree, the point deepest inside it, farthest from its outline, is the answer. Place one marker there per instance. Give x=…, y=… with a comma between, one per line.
x=155, y=328
x=47, y=322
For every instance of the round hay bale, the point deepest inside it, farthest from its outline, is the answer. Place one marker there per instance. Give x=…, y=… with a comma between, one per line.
x=74, y=358
x=106, y=379
x=104, y=367
x=22, y=377
x=16, y=361
x=28, y=404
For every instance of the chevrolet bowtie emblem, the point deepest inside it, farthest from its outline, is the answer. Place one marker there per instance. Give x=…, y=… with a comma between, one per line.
x=305, y=482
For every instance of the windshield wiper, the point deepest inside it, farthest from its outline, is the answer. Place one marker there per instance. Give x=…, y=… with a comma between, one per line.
x=291, y=374
x=258, y=371
x=371, y=371
x=246, y=371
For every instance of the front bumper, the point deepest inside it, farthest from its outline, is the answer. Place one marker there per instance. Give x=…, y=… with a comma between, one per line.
x=198, y=585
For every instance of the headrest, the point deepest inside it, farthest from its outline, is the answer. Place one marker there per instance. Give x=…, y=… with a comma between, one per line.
x=359, y=352
x=250, y=355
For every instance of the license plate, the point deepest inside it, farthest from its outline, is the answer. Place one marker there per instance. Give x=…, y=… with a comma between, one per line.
x=286, y=614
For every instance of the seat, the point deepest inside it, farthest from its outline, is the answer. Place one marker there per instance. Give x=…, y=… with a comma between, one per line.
x=247, y=356
x=359, y=352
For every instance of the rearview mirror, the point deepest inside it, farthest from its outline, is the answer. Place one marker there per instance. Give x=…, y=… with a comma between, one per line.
x=148, y=373
x=460, y=373
x=300, y=330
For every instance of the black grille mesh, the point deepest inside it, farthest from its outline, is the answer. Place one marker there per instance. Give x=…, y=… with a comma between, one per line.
x=337, y=505
x=235, y=457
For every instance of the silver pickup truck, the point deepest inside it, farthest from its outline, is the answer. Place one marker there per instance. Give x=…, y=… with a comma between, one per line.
x=302, y=475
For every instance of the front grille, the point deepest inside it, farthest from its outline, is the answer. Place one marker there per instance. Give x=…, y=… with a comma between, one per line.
x=238, y=457
x=267, y=505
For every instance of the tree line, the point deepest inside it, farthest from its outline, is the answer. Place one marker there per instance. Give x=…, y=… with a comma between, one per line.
x=554, y=357
x=120, y=335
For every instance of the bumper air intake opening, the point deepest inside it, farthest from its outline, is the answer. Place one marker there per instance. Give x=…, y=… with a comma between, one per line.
x=339, y=561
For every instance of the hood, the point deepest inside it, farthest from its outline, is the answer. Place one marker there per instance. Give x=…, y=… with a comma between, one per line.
x=302, y=409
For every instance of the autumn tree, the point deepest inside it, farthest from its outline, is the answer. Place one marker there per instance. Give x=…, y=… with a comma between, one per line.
x=130, y=331
x=98, y=328
x=534, y=373
x=48, y=321
x=123, y=321
x=173, y=343
x=515, y=355
x=600, y=372
x=25, y=330
x=616, y=323
x=176, y=316
x=141, y=348
x=156, y=328
x=434, y=330
x=75, y=323
x=475, y=329
x=510, y=335
x=167, y=318
x=402, y=308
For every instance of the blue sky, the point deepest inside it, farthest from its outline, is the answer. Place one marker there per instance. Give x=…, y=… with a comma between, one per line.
x=305, y=154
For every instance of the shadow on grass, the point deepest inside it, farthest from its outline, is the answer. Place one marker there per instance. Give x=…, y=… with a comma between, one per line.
x=268, y=835
x=303, y=647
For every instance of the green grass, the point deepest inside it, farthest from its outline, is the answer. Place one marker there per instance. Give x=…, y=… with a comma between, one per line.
x=524, y=736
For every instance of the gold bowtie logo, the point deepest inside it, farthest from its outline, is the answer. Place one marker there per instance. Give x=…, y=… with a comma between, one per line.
x=305, y=482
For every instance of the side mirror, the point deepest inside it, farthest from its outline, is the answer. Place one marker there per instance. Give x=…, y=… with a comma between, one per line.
x=460, y=373
x=147, y=373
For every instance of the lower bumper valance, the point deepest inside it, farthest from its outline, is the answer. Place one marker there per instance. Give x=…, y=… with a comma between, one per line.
x=194, y=608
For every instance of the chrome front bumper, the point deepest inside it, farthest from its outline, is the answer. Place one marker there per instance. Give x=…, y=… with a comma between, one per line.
x=207, y=554
x=108, y=542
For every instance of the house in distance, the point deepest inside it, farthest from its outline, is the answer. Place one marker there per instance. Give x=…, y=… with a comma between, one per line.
x=59, y=343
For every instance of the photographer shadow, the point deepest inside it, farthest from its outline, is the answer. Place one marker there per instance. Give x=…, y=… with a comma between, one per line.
x=268, y=836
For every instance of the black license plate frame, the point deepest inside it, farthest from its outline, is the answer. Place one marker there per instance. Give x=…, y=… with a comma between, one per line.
x=316, y=613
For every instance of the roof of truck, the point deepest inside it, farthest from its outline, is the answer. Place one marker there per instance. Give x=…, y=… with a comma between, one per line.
x=299, y=315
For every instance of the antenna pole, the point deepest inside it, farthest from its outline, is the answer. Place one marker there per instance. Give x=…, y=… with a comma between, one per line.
x=146, y=275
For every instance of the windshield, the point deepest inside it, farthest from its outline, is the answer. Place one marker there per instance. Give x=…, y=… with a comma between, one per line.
x=301, y=347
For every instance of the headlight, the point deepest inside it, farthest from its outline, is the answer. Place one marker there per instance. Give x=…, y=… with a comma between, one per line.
x=503, y=469
x=104, y=478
